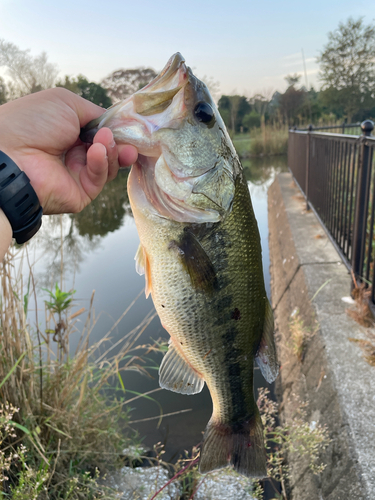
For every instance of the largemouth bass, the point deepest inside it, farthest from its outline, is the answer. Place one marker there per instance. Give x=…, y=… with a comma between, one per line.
x=201, y=255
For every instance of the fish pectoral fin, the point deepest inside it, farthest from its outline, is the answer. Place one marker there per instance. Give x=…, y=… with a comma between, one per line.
x=266, y=356
x=140, y=261
x=196, y=262
x=176, y=375
x=142, y=266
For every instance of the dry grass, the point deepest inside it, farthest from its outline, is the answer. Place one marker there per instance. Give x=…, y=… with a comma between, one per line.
x=362, y=314
x=368, y=347
x=269, y=140
x=299, y=335
x=62, y=413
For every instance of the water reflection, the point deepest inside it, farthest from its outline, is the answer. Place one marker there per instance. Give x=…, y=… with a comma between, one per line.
x=98, y=253
x=106, y=213
x=259, y=171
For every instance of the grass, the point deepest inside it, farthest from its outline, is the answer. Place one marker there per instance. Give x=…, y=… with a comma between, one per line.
x=362, y=314
x=299, y=335
x=59, y=427
x=368, y=347
x=267, y=141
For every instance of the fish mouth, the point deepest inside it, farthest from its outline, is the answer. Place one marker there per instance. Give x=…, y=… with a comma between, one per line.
x=166, y=80
x=152, y=99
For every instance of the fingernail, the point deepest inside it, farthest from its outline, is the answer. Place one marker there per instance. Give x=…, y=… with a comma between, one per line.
x=113, y=144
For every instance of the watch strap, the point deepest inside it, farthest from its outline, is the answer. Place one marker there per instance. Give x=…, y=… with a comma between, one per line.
x=18, y=200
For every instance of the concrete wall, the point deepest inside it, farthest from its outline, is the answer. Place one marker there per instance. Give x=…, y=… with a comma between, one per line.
x=333, y=375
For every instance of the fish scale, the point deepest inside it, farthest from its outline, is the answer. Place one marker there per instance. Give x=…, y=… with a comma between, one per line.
x=201, y=255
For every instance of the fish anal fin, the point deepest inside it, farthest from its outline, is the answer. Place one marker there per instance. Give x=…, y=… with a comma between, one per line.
x=241, y=445
x=266, y=356
x=142, y=266
x=196, y=262
x=175, y=374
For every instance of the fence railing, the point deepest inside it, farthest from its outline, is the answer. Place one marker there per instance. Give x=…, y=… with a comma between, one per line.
x=339, y=128
x=336, y=174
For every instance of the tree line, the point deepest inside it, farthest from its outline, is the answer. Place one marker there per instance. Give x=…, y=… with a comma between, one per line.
x=347, y=93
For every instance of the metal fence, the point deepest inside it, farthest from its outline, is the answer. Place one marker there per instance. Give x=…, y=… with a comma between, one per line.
x=336, y=174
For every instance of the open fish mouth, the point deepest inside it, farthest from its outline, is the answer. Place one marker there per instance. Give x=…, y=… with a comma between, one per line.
x=152, y=99
x=171, y=75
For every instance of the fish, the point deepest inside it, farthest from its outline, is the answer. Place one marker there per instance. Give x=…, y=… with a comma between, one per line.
x=201, y=256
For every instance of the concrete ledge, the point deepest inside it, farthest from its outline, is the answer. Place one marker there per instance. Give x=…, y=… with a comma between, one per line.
x=333, y=376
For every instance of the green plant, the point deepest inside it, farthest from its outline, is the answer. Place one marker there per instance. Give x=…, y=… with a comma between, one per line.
x=60, y=301
x=298, y=436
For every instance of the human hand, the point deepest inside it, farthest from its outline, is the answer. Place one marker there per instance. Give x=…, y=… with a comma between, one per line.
x=40, y=133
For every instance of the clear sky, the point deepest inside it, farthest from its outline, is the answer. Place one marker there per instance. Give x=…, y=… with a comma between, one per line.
x=247, y=46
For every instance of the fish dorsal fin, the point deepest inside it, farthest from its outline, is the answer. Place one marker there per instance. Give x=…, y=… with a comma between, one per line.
x=196, y=262
x=142, y=266
x=175, y=374
x=266, y=356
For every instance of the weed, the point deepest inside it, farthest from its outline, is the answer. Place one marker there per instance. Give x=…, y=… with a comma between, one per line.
x=362, y=314
x=300, y=335
x=58, y=425
x=269, y=140
x=299, y=436
x=368, y=347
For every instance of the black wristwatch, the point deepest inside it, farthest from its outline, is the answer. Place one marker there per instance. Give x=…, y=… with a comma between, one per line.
x=18, y=200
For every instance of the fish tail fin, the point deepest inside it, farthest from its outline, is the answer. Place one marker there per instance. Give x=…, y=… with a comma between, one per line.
x=241, y=445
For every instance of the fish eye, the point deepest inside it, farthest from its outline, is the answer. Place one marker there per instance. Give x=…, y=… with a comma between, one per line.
x=204, y=112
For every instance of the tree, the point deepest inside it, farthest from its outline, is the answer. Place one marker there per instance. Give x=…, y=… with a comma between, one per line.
x=347, y=67
x=292, y=100
x=232, y=109
x=88, y=90
x=3, y=91
x=124, y=82
x=292, y=80
x=28, y=73
x=260, y=102
x=251, y=120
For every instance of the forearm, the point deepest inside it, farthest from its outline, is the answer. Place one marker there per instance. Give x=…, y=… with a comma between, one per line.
x=5, y=235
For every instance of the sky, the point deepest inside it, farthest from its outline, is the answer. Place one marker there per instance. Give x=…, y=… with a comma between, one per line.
x=248, y=47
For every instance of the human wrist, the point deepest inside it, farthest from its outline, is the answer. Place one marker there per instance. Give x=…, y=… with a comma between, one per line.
x=5, y=234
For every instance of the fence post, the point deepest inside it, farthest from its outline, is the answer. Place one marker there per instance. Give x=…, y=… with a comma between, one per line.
x=310, y=128
x=361, y=201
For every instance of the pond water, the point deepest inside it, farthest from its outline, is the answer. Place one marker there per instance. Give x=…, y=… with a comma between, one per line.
x=99, y=246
